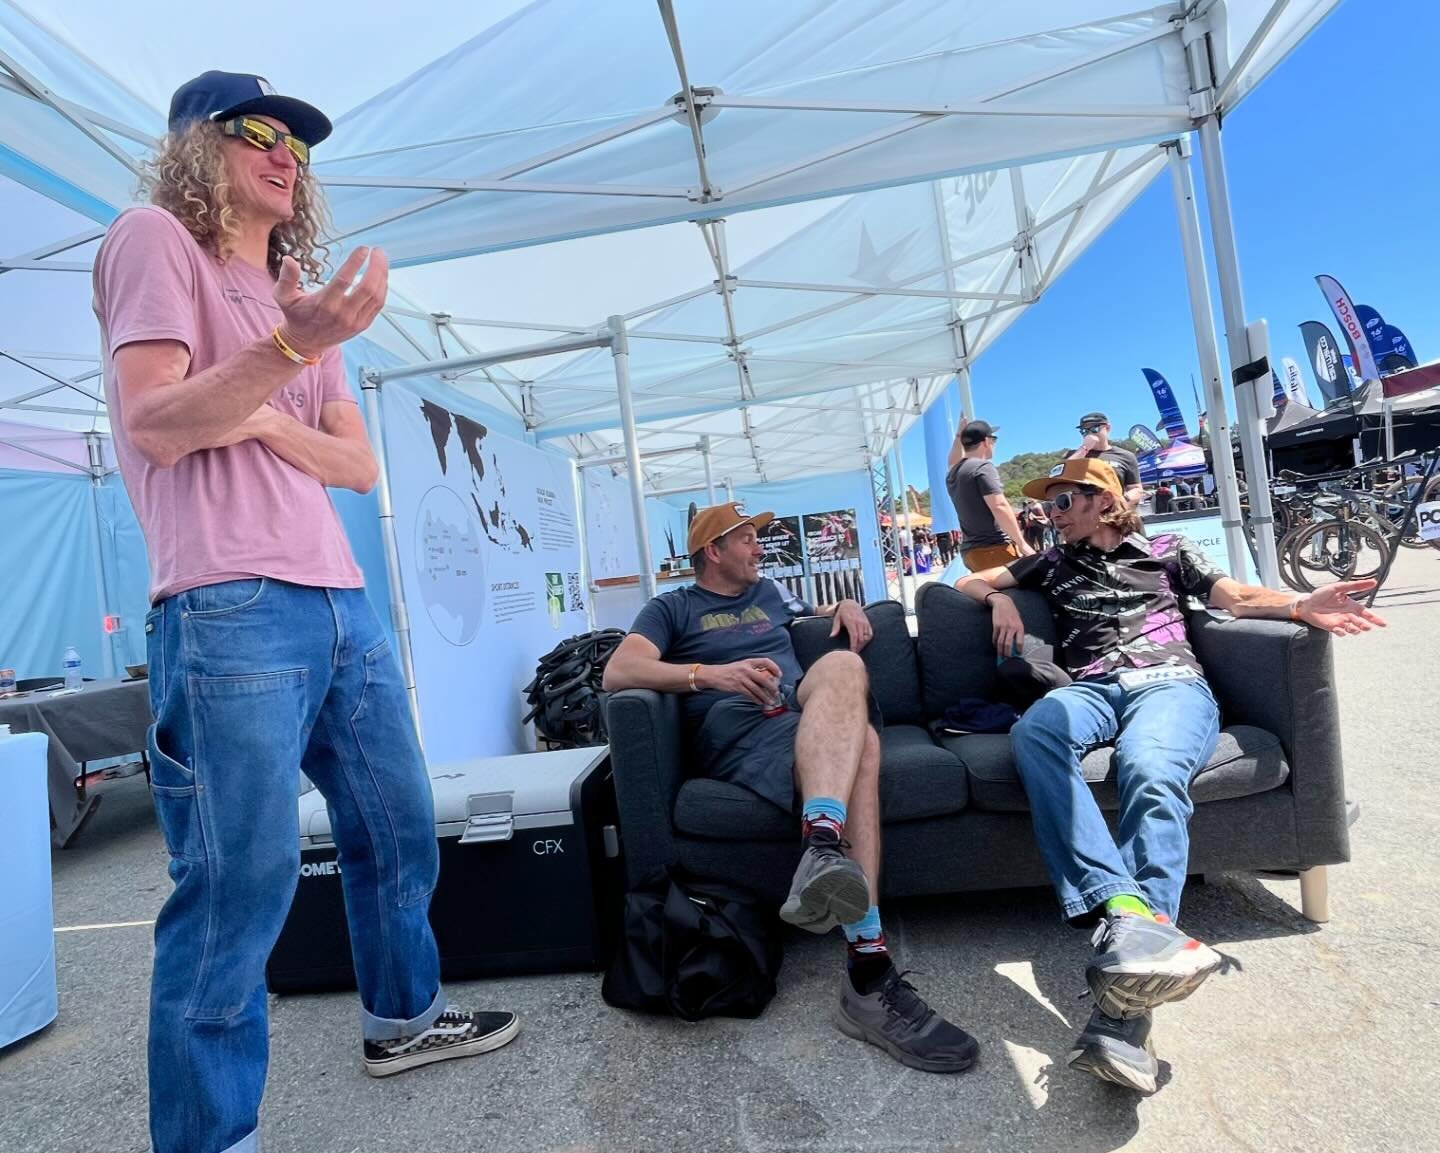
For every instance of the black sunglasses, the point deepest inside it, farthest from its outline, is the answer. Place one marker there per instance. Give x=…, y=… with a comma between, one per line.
x=1066, y=500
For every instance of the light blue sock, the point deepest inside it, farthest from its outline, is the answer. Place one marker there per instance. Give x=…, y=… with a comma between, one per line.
x=822, y=812
x=867, y=930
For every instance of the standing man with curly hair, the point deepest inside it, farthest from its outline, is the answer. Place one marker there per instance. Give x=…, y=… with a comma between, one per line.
x=231, y=416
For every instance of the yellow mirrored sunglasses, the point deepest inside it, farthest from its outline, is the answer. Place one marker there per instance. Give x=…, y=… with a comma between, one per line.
x=265, y=137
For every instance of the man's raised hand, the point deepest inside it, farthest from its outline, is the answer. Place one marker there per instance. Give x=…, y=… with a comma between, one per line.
x=336, y=311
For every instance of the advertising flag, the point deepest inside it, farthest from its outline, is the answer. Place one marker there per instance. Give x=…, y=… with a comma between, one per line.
x=1295, y=382
x=1144, y=439
x=1279, y=394
x=1167, y=404
x=1351, y=326
x=1325, y=359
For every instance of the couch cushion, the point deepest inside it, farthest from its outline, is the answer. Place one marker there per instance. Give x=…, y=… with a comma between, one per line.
x=954, y=651
x=917, y=779
x=889, y=658
x=1247, y=760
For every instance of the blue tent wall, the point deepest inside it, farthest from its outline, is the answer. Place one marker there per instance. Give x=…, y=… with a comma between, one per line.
x=51, y=554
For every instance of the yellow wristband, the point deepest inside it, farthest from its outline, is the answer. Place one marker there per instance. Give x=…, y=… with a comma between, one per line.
x=695, y=668
x=288, y=352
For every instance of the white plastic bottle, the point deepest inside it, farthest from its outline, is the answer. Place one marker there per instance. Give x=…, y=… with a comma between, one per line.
x=73, y=678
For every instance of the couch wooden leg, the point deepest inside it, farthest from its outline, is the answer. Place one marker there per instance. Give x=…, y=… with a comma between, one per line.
x=1315, y=894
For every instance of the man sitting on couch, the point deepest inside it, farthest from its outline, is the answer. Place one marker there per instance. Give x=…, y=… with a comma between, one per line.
x=1116, y=598
x=805, y=741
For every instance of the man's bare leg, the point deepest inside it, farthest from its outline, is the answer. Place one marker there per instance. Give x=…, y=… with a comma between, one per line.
x=862, y=827
x=830, y=888
x=834, y=720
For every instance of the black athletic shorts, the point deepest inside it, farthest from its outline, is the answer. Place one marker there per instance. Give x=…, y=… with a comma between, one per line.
x=738, y=743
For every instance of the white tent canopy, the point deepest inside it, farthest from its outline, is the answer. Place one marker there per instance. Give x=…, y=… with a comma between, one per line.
x=619, y=116
x=614, y=117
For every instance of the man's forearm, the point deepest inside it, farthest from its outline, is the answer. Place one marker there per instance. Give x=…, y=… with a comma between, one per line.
x=1254, y=601
x=333, y=461
x=170, y=421
x=1005, y=517
x=975, y=586
x=660, y=676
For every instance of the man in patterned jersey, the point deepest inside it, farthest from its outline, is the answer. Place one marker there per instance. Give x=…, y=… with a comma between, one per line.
x=1116, y=600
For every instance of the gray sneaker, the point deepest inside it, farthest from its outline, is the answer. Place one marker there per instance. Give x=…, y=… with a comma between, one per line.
x=1118, y=1051
x=1140, y=963
x=896, y=1018
x=828, y=889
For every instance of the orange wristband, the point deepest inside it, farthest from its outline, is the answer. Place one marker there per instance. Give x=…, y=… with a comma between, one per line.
x=288, y=352
x=1295, y=609
x=695, y=668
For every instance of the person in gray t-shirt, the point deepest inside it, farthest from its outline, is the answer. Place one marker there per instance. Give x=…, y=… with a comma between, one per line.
x=991, y=533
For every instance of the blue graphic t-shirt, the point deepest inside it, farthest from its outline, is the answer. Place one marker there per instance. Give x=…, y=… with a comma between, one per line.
x=691, y=625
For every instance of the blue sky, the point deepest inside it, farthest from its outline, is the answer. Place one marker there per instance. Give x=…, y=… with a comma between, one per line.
x=1333, y=168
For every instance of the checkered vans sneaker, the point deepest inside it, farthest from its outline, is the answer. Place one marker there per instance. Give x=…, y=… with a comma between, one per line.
x=455, y=1033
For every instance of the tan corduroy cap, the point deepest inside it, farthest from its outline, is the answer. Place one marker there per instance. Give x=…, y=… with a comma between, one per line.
x=710, y=524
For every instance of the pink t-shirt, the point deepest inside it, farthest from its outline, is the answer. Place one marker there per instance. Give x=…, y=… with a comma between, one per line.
x=223, y=513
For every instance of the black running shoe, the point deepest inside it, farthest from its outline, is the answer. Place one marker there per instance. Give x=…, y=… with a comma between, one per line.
x=1140, y=963
x=1118, y=1051
x=455, y=1033
x=896, y=1018
x=828, y=888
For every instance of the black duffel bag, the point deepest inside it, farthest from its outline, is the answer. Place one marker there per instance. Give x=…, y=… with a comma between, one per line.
x=694, y=948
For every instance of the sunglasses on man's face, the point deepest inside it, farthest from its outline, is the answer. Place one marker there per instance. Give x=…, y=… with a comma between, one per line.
x=265, y=137
x=1065, y=501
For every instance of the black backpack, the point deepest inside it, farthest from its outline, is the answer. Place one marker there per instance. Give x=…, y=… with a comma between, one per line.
x=694, y=948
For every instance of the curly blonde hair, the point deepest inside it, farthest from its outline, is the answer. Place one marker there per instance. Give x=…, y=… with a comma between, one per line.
x=187, y=178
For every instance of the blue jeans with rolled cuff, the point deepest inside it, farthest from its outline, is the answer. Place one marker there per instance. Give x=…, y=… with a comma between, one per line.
x=251, y=682
x=1164, y=734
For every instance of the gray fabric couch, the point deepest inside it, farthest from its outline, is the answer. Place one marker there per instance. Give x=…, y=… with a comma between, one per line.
x=955, y=815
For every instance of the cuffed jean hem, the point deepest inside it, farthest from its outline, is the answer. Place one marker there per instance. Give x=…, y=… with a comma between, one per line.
x=374, y=1028
x=1096, y=897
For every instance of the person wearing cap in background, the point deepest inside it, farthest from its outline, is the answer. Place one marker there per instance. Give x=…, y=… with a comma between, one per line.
x=990, y=532
x=1095, y=428
x=807, y=742
x=231, y=415
x=1115, y=597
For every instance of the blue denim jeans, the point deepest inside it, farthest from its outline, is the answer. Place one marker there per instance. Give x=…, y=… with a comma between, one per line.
x=1166, y=734
x=252, y=681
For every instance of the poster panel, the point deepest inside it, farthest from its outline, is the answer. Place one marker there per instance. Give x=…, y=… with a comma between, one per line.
x=832, y=544
x=490, y=567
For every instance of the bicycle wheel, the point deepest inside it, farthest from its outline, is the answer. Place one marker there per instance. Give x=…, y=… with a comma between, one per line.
x=1412, y=538
x=1285, y=551
x=1349, y=549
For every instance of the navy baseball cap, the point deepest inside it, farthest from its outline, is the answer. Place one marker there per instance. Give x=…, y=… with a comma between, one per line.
x=224, y=95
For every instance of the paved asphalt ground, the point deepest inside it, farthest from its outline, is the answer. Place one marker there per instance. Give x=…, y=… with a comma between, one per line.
x=1314, y=1039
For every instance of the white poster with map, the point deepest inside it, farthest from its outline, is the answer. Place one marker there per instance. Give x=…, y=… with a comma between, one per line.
x=490, y=563
x=609, y=525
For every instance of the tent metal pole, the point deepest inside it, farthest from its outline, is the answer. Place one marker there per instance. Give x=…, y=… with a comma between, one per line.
x=1207, y=348
x=894, y=530
x=729, y=489
x=905, y=513
x=1232, y=302
x=458, y=365
x=620, y=351
x=650, y=454
x=709, y=472
x=97, y=478
x=578, y=483
x=370, y=383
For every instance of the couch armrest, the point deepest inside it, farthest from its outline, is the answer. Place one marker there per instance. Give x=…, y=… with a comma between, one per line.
x=647, y=758
x=1280, y=676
